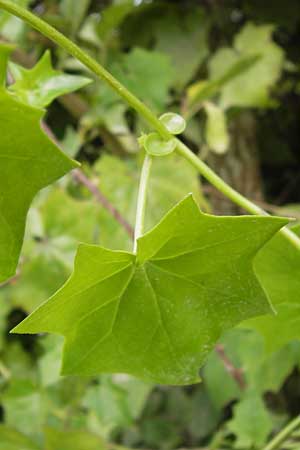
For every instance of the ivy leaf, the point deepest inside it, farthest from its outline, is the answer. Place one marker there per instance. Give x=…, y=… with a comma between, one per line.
x=40, y=85
x=277, y=266
x=157, y=314
x=29, y=162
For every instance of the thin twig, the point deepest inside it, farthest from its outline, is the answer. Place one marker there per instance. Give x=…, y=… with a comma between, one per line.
x=236, y=373
x=80, y=177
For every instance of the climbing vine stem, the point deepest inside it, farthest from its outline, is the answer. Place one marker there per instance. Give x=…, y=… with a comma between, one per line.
x=142, y=199
x=61, y=40
x=280, y=438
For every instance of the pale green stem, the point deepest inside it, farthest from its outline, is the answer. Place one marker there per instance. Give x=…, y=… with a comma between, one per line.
x=141, y=201
x=228, y=191
x=281, y=437
x=57, y=37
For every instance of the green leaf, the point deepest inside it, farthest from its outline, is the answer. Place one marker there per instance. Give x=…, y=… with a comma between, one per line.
x=24, y=407
x=11, y=439
x=140, y=71
x=30, y=161
x=118, y=400
x=277, y=266
x=40, y=85
x=251, y=88
x=262, y=372
x=180, y=33
x=183, y=36
x=113, y=16
x=173, y=122
x=217, y=136
x=251, y=423
x=52, y=236
x=157, y=314
x=12, y=28
x=206, y=89
x=74, y=12
x=49, y=363
x=156, y=146
x=72, y=440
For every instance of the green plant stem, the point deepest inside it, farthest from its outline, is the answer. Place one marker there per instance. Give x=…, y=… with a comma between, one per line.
x=60, y=39
x=228, y=191
x=141, y=201
x=57, y=37
x=281, y=437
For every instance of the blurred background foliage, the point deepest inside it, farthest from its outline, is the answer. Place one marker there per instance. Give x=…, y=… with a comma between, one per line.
x=231, y=68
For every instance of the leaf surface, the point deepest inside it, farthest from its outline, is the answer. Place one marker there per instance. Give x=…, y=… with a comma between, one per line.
x=29, y=162
x=278, y=268
x=251, y=422
x=40, y=85
x=11, y=439
x=157, y=314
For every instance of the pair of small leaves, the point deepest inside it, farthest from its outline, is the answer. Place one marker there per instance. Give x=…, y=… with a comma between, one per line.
x=157, y=314
x=155, y=145
x=29, y=159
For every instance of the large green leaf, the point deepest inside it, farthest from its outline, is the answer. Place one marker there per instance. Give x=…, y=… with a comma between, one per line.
x=157, y=314
x=40, y=85
x=278, y=268
x=29, y=161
